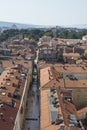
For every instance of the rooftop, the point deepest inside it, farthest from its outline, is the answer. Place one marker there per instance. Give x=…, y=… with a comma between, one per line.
x=71, y=54
x=69, y=76
x=71, y=68
x=65, y=109
x=12, y=83
x=45, y=117
x=44, y=74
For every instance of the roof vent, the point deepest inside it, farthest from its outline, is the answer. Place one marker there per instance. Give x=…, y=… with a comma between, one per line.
x=1, y=105
x=8, y=83
x=1, y=115
x=3, y=93
x=12, y=76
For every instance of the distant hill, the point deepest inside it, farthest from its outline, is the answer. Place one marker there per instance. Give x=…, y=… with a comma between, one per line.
x=9, y=25
x=79, y=26
x=19, y=25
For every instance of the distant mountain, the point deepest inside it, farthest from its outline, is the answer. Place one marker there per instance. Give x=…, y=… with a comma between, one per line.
x=19, y=25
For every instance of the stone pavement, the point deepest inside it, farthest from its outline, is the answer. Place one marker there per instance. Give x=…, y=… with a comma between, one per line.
x=32, y=121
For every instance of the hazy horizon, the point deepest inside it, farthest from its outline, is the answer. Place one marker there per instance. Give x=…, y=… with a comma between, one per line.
x=44, y=12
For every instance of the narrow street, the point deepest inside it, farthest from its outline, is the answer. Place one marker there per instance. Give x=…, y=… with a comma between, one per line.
x=31, y=121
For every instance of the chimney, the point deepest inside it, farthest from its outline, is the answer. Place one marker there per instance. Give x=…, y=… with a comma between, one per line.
x=62, y=126
x=1, y=115
x=64, y=51
x=73, y=50
x=71, y=126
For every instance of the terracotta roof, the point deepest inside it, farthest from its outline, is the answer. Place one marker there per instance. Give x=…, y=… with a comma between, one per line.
x=71, y=68
x=69, y=40
x=64, y=110
x=45, y=116
x=44, y=44
x=44, y=76
x=71, y=54
x=53, y=82
x=5, y=90
x=9, y=115
x=80, y=83
x=66, y=107
x=9, y=80
x=82, y=110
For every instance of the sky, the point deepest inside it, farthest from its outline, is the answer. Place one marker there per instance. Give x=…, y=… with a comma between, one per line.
x=44, y=12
